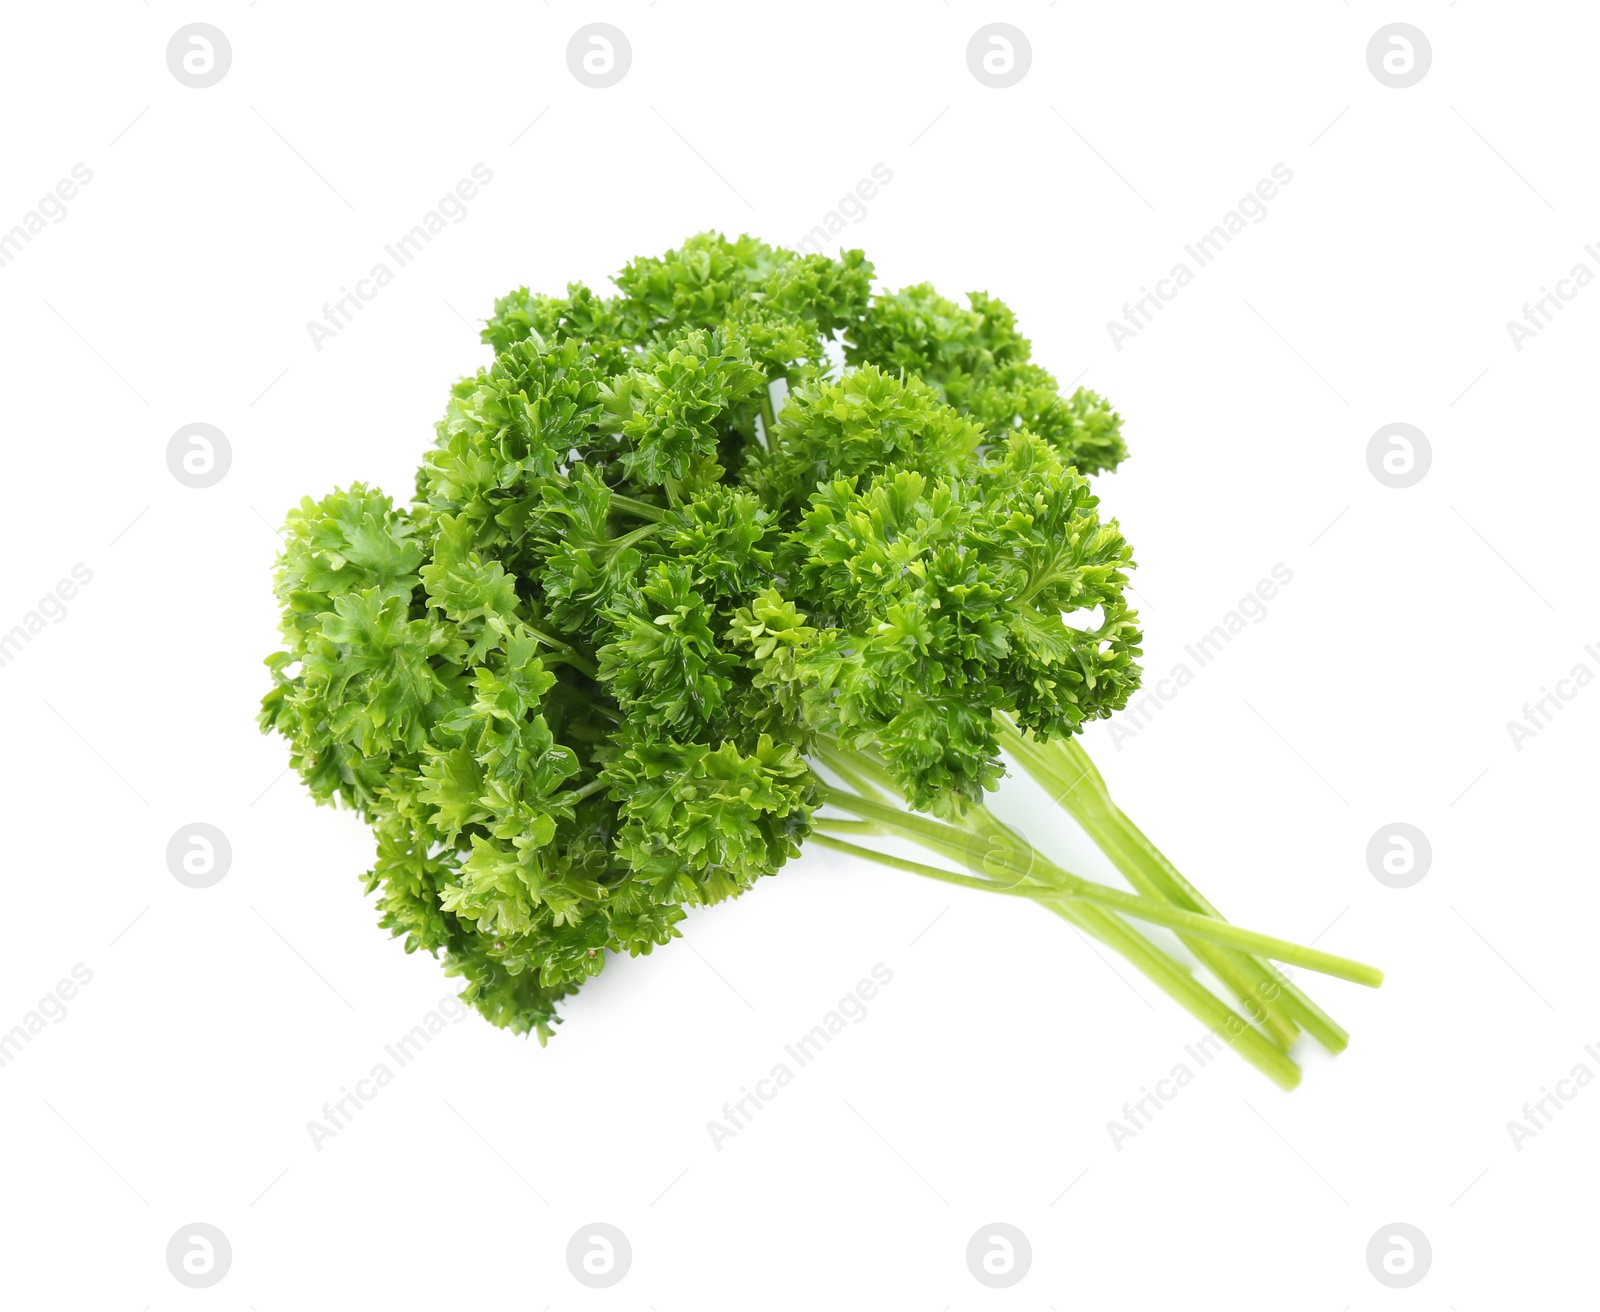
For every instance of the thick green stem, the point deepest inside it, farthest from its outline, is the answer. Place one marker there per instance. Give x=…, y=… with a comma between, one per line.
x=628, y=539
x=1061, y=883
x=589, y=789
x=1316, y=1021
x=1178, y=984
x=769, y=418
x=863, y=828
x=1199, y=1001
x=566, y=652
x=1064, y=768
x=1241, y=974
x=828, y=839
x=1236, y=957
x=1226, y=933
x=849, y=770
x=643, y=509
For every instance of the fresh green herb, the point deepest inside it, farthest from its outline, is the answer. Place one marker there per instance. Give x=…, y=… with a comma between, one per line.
x=652, y=621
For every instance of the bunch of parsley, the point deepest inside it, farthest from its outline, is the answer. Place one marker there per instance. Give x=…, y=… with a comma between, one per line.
x=680, y=590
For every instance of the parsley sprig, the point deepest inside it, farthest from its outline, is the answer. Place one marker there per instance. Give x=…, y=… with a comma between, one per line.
x=677, y=593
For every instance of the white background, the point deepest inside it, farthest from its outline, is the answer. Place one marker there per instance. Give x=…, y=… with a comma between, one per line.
x=979, y=1087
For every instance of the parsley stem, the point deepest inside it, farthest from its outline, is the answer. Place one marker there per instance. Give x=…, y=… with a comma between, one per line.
x=1063, y=883
x=589, y=789
x=1170, y=975
x=1225, y=932
x=1145, y=956
x=769, y=420
x=639, y=534
x=853, y=770
x=1315, y=1020
x=566, y=652
x=927, y=871
x=1247, y=979
x=1065, y=769
x=1183, y=988
x=643, y=509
